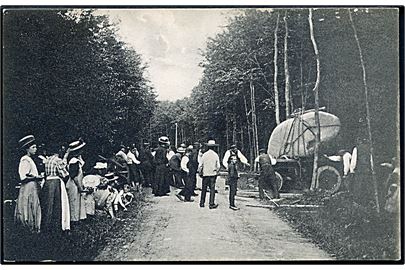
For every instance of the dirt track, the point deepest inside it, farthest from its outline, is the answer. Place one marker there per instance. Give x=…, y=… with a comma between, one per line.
x=172, y=230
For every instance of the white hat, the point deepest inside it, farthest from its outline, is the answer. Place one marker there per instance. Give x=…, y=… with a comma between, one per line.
x=181, y=150
x=100, y=165
x=211, y=143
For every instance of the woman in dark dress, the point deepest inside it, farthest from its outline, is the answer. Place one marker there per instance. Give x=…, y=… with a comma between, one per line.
x=161, y=182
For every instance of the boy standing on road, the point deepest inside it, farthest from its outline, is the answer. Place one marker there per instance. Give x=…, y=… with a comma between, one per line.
x=208, y=168
x=230, y=162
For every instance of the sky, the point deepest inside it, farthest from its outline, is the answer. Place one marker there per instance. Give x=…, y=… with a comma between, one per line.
x=170, y=42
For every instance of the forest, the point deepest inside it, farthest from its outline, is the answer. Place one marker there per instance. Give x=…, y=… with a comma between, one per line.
x=270, y=51
x=68, y=75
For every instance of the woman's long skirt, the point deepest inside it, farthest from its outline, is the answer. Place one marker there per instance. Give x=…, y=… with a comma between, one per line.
x=76, y=201
x=51, y=205
x=162, y=186
x=28, y=208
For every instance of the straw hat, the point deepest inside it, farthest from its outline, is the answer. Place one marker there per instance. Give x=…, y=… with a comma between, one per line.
x=76, y=145
x=164, y=140
x=111, y=177
x=26, y=141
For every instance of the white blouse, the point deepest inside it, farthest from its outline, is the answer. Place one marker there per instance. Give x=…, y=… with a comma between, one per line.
x=27, y=166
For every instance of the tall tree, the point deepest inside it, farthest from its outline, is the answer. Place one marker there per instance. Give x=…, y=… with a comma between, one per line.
x=370, y=139
x=286, y=72
x=276, y=98
x=316, y=103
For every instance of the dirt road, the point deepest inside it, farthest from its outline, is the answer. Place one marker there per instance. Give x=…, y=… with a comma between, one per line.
x=172, y=230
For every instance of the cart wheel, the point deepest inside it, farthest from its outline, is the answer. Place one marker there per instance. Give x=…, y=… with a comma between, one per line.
x=328, y=179
x=279, y=180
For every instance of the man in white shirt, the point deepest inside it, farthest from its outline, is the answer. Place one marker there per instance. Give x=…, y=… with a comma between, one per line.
x=133, y=170
x=208, y=168
x=234, y=151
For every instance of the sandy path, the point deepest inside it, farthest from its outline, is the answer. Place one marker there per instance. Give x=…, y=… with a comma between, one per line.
x=177, y=231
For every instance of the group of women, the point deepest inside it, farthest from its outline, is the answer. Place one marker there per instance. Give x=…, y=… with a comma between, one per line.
x=59, y=196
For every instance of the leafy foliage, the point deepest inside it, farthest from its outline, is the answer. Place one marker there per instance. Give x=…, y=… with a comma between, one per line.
x=67, y=75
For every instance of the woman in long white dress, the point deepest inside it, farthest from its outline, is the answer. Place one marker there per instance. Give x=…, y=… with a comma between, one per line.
x=28, y=209
x=74, y=185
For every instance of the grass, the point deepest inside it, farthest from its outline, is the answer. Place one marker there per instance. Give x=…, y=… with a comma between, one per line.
x=82, y=244
x=346, y=229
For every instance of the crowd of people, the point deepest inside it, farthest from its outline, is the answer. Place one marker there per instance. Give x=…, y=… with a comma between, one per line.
x=55, y=191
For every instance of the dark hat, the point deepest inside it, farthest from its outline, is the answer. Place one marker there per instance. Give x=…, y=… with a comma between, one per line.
x=26, y=141
x=164, y=140
x=262, y=150
x=76, y=145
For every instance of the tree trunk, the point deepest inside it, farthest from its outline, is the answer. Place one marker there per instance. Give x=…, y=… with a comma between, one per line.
x=367, y=114
x=314, y=182
x=276, y=100
x=234, y=138
x=227, y=131
x=254, y=121
x=248, y=131
x=287, y=74
x=241, y=137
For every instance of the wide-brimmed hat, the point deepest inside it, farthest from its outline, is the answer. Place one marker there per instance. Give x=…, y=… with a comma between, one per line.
x=100, y=165
x=26, y=141
x=181, y=150
x=211, y=143
x=183, y=145
x=146, y=144
x=111, y=177
x=233, y=146
x=164, y=140
x=76, y=145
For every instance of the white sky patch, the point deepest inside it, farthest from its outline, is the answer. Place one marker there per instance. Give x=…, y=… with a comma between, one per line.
x=169, y=41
